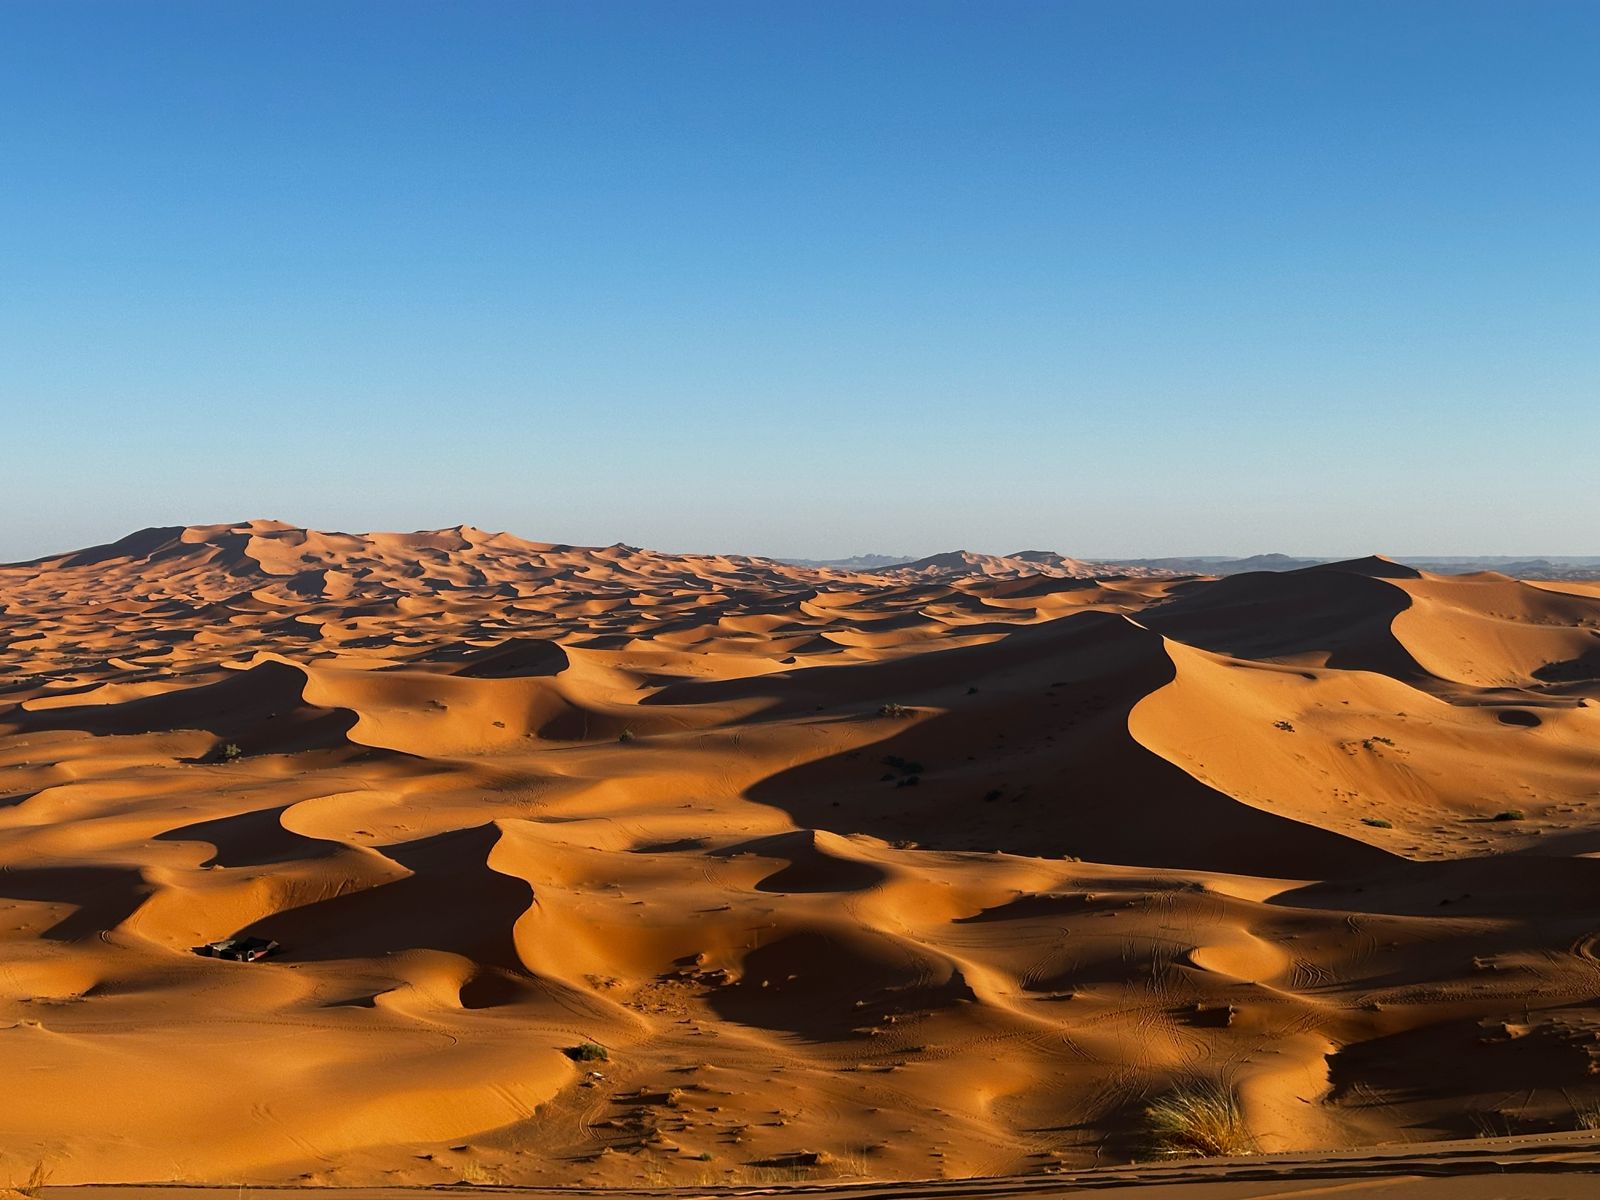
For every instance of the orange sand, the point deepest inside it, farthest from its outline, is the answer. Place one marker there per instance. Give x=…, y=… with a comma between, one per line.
x=497, y=798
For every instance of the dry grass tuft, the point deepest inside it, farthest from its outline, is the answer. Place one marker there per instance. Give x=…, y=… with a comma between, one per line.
x=38, y=1177
x=480, y=1174
x=1198, y=1120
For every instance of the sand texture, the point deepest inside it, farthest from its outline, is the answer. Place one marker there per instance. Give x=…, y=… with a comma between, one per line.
x=1528, y=1167
x=919, y=875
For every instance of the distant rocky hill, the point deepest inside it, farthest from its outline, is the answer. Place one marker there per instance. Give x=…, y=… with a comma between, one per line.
x=955, y=563
x=1048, y=562
x=859, y=562
x=1573, y=567
x=1008, y=566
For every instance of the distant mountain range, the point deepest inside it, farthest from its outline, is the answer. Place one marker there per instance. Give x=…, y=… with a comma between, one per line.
x=1048, y=562
x=867, y=563
x=955, y=563
x=1564, y=567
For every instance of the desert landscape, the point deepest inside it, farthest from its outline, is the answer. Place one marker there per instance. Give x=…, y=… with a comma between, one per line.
x=604, y=867
x=1030, y=623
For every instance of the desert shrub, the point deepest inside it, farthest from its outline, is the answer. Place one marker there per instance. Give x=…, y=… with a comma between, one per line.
x=38, y=1177
x=894, y=710
x=625, y=736
x=230, y=752
x=1492, y=1123
x=1377, y=822
x=588, y=1052
x=1283, y=725
x=480, y=1174
x=1198, y=1120
x=1511, y=814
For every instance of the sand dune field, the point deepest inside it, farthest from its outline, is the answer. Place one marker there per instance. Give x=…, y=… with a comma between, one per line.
x=930, y=874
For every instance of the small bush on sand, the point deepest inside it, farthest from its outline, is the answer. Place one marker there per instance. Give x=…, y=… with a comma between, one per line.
x=1197, y=1120
x=1377, y=822
x=481, y=1174
x=230, y=752
x=37, y=1179
x=894, y=710
x=1586, y=1115
x=588, y=1052
x=1511, y=814
x=625, y=736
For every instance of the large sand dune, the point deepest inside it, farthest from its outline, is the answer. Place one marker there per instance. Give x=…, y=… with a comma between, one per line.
x=922, y=874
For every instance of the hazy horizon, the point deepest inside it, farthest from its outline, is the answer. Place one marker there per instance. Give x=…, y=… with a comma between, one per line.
x=1131, y=279
x=898, y=554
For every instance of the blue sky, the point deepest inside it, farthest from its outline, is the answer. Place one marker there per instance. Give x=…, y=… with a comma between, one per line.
x=1114, y=278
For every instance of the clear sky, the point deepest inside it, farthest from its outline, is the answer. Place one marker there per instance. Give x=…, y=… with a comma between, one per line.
x=1110, y=278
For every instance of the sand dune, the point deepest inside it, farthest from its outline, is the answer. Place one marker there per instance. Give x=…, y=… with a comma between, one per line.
x=940, y=871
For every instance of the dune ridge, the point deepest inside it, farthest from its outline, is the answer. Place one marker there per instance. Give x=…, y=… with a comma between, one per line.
x=924, y=872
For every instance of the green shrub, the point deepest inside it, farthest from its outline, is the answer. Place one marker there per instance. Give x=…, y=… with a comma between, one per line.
x=588, y=1052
